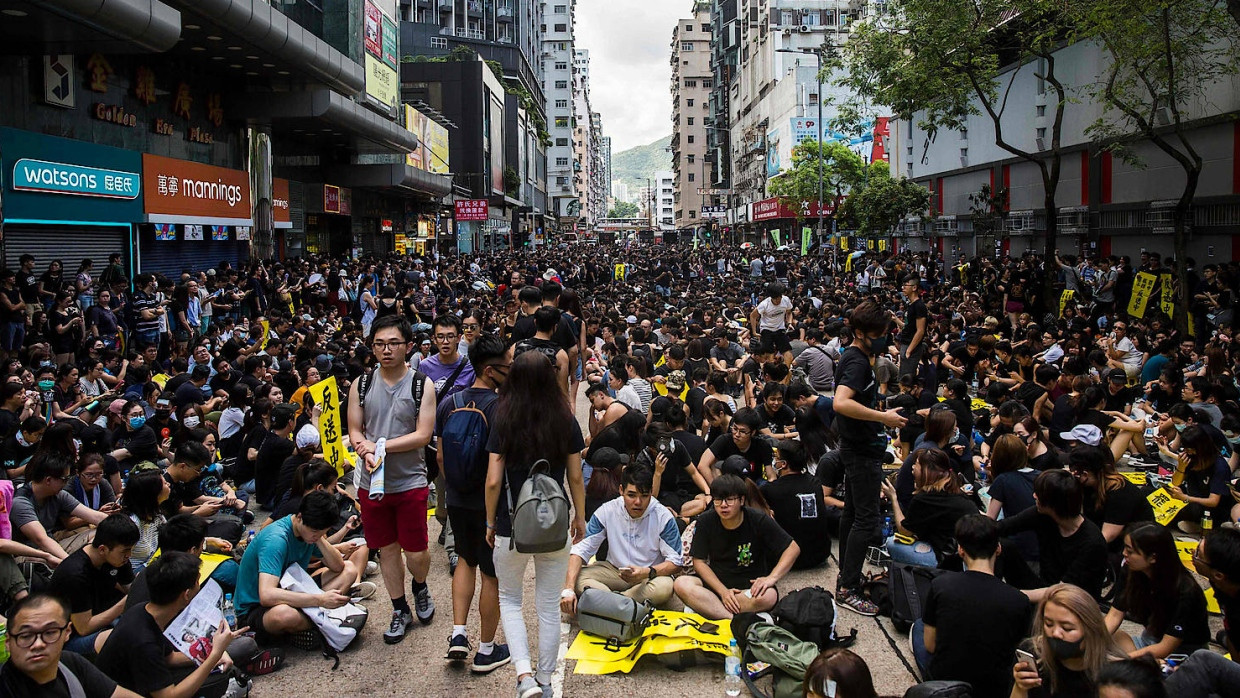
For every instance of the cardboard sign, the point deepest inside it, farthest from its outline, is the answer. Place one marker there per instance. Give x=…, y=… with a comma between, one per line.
x=1165, y=506
x=1142, y=289
x=667, y=633
x=1136, y=477
x=331, y=428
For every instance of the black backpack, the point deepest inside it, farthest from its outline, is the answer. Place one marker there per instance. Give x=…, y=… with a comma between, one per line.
x=909, y=586
x=810, y=614
x=940, y=689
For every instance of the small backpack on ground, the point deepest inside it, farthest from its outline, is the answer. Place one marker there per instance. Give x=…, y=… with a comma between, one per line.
x=335, y=628
x=463, y=441
x=909, y=585
x=612, y=616
x=540, y=515
x=940, y=689
x=810, y=615
x=786, y=656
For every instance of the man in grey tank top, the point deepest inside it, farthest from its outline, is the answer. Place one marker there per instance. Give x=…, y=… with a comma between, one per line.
x=394, y=514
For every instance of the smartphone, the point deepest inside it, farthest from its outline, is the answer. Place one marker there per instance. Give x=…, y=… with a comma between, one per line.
x=1026, y=657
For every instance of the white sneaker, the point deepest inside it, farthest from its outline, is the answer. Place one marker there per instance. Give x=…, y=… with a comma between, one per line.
x=372, y=568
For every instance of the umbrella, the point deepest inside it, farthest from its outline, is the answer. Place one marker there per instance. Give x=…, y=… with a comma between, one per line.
x=746, y=245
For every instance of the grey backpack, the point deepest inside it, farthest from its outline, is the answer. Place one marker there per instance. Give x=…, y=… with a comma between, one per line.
x=614, y=617
x=540, y=516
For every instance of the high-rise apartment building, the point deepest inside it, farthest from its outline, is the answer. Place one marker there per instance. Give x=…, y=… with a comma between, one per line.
x=664, y=195
x=557, y=61
x=606, y=166
x=585, y=140
x=692, y=82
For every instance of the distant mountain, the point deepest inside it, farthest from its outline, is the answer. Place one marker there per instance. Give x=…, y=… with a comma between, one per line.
x=636, y=165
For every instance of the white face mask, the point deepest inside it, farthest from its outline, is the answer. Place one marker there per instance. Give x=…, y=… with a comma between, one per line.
x=192, y=421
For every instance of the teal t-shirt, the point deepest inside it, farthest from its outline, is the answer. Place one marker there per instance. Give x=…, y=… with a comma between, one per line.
x=272, y=551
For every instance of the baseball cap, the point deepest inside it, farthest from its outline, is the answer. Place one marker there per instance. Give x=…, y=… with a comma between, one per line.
x=608, y=458
x=307, y=436
x=676, y=380
x=632, y=319
x=1085, y=433
x=116, y=406
x=1117, y=375
x=735, y=465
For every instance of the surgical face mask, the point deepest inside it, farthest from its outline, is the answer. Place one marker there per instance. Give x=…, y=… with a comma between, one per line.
x=956, y=435
x=137, y=422
x=878, y=345
x=192, y=421
x=1180, y=426
x=46, y=385
x=21, y=439
x=1062, y=649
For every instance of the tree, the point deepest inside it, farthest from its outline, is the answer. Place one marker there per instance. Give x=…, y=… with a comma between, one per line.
x=842, y=169
x=881, y=203
x=988, y=207
x=1164, y=56
x=943, y=61
x=624, y=209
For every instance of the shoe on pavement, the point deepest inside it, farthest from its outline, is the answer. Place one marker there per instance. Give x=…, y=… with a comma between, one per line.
x=238, y=689
x=547, y=691
x=401, y=620
x=486, y=663
x=458, y=648
x=856, y=603
x=265, y=662
x=528, y=688
x=423, y=605
x=372, y=568
x=453, y=559
x=362, y=591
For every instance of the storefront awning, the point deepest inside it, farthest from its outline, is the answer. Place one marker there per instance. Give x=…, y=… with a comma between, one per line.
x=313, y=110
x=396, y=176
x=113, y=26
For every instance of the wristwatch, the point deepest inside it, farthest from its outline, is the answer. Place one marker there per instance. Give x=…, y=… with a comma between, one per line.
x=653, y=574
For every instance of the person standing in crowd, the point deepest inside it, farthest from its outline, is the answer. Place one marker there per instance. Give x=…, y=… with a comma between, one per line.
x=516, y=444
x=394, y=520
x=912, y=338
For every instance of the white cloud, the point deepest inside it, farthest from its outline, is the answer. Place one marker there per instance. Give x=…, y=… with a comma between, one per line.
x=630, y=76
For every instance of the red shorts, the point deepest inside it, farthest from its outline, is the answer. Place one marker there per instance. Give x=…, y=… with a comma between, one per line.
x=399, y=517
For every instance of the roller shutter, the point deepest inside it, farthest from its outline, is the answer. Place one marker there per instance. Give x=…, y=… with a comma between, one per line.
x=171, y=257
x=70, y=244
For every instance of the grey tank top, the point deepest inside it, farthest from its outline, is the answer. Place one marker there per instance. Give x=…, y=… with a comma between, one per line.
x=391, y=412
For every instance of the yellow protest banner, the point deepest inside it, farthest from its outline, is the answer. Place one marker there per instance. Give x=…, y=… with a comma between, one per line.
x=1136, y=477
x=882, y=245
x=160, y=379
x=619, y=272
x=1142, y=289
x=210, y=561
x=331, y=429
x=668, y=632
x=1167, y=300
x=1165, y=506
x=262, y=344
x=1065, y=298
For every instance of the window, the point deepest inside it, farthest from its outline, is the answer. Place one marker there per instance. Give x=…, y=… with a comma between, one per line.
x=964, y=134
x=688, y=27
x=1041, y=110
x=561, y=84
x=707, y=84
x=561, y=122
x=691, y=177
x=690, y=139
x=561, y=65
x=693, y=214
x=561, y=9
x=561, y=162
x=690, y=83
x=561, y=181
x=690, y=121
x=561, y=104
x=688, y=102
x=812, y=19
x=439, y=42
x=686, y=46
x=692, y=158
x=1041, y=133
x=561, y=27
x=706, y=28
x=561, y=142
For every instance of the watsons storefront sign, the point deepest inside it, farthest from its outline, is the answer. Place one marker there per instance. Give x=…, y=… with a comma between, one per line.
x=77, y=180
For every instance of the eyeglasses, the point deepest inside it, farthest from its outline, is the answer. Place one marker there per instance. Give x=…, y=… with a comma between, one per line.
x=741, y=431
x=445, y=337
x=730, y=501
x=472, y=326
x=92, y=476
x=48, y=636
x=384, y=346
x=506, y=366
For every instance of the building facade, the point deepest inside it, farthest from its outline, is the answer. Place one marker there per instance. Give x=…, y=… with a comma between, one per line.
x=557, y=56
x=585, y=141
x=691, y=89
x=664, y=196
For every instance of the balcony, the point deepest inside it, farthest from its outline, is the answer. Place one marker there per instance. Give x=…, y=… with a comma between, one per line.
x=446, y=5
x=477, y=34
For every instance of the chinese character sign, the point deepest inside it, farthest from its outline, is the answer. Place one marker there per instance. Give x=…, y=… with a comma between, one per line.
x=331, y=428
x=1165, y=507
x=1167, y=301
x=471, y=210
x=1142, y=289
x=144, y=85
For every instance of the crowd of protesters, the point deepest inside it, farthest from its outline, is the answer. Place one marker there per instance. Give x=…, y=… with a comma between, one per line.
x=745, y=407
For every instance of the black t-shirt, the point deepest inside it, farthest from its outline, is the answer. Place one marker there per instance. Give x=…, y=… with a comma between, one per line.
x=1184, y=616
x=9, y=422
x=141, y=443
x=760, y=454
x=515, y=474
x=796, y=502
x=95, y=684
x=1116, y=402
x=932, y=516
x=1122, y=506
x=782, y=421
x=86, y=587
x=482, y=399
x=1079, y=559
x=271, y=455
x=743, y=554
x=915, y=311
x=960, y=357
x=694, y=444
x=135, y=655
x=862, y=437
x=978, y=622
x=189, y=394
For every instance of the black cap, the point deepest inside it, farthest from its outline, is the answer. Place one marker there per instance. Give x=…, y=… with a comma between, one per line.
x=608, y=458
x=1117, y=375
x=735, y=465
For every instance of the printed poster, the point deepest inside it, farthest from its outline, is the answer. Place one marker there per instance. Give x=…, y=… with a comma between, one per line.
x=1142, y=289
x=331, y=429
x=191, y=631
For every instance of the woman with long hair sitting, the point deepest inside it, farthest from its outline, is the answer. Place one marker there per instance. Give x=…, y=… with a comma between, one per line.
x=1070, y=645
x=937, y=504
x=1111, y=501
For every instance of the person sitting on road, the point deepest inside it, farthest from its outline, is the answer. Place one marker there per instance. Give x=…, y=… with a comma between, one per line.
x=739, y=554
x=742, y=440
x=1070, y=645
x=644, y=547
x=95, y=580
x=41, y=508
x=937, y=504
x=796, y=501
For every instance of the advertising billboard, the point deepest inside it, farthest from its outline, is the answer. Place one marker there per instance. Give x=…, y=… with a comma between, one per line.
x=381, y=48
x=432, y=151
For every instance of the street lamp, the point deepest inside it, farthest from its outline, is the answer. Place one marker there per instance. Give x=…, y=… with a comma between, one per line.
x=818, y=76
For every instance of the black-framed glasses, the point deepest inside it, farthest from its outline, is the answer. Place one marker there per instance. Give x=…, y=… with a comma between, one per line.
x=384, y=346
x=728, y=500
x=49, y=636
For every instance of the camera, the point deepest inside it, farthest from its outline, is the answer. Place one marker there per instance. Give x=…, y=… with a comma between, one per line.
x=664, y=445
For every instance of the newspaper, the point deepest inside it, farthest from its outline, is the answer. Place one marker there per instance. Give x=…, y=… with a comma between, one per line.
x=191, y=631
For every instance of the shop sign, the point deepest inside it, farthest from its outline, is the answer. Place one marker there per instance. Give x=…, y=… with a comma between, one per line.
x=382, y=82
x=385, y=226
x=144, y=85
x=197, y=134
x=402, y=243
x=471, y=210
x=98, y=70
x=114, y=114
x=346, y=201
x=161, y=127
x=380, y=43
x=179, y=191
x=61, y=178
x=773, y=209
x=331, y=199
x=280, y=213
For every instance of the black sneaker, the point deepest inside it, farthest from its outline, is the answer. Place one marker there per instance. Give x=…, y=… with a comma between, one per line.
x=396, y=630
x=486, y=663
x=423, y=605
x=458, y=648
x=453, y=559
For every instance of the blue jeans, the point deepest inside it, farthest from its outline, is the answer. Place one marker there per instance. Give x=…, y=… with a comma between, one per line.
x=83, y=644
x=860, y=526
x=13, y=335
x=248, y=489
x=146, y=338
x=919, y=553
x=1205, y=673
x=922, y=655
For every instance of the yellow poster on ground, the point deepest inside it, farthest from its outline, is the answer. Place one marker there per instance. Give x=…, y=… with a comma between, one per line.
x=1142, y=289
x=262, y=344
x=1136, y=477
x=1165, y=506
x=331, y=429
x=667, y=633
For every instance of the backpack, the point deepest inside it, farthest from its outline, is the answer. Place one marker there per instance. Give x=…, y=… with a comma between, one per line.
x=331, y=630
x=940, y=689
x=614, y=617
x=786, y=656
x=540, y=515
x=909, y=584
x=463, y=443
x=810, y=615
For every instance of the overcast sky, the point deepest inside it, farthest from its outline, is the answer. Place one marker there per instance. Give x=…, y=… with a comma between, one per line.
x=630, y=77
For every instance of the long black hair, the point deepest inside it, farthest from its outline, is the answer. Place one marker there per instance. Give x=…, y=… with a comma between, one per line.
x=531, y=418
x=1149, y=597
x=142, y=494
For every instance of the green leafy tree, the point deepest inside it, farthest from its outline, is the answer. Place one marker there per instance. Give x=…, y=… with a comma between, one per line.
x=842, y=169
x=940, y=62
x=624, y=209
x=881, y=203
x=1163, y=58
x=988, y=206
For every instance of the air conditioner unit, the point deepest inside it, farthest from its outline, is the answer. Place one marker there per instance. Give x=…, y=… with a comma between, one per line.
x=804, y=29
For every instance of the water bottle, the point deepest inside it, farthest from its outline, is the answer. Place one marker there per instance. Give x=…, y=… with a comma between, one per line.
x=889, y=527
x=981, y=476
x=249, y=536
x=732, y=671
x=1207, y=522
x=230, y=613
x=4, y=643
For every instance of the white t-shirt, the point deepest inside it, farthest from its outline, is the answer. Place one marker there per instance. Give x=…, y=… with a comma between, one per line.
x=772, y=316
x=1132, y=356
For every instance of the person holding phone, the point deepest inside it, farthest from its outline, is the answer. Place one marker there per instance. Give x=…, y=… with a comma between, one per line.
x=1070, y=644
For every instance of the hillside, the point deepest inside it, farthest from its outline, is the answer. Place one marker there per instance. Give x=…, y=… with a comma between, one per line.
x=635, y=165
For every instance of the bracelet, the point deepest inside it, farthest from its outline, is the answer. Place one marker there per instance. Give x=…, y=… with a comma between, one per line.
x=490, y=526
